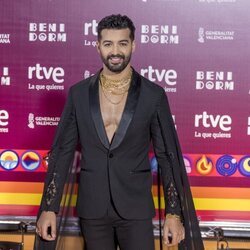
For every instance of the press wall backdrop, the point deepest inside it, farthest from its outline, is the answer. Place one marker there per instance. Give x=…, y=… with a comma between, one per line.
x=197, y=50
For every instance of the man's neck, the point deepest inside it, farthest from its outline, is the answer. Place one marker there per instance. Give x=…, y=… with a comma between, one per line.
x=116, y=76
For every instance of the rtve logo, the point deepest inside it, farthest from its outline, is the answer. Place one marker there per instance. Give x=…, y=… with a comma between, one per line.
x=5, y=78
x=224, y=122
x=162, y=34
x=50, y=32
x=167, y=76
x=4, y=117
x=214, y=80
x=41, y=73
x=90, y=28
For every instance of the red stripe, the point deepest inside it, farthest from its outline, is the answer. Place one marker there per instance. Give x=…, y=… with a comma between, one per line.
x=22, y=176
x=25, y=210
x=19, y=210
x=202, y=181
x=214, y=215
x=219, y=181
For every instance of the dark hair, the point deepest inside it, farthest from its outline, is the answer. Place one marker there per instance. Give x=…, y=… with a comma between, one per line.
x=116, y=22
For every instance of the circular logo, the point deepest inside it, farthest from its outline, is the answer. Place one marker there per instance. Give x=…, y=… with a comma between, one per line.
x=42, y=37
x=45, y=160
x=204, y=165
x=154, y=39
x=30, y=160
x=226, y=165
x=9, y=160
x=154, y=165
x=244, y=166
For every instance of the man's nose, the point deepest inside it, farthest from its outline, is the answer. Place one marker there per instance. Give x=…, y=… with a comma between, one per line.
x=115, y=50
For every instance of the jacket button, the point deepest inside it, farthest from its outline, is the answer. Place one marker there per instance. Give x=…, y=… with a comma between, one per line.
x=171, y=154
x=111, y=155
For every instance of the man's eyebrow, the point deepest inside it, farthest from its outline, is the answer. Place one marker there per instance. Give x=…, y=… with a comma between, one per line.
x=120, y=41
x=124, y=40
x=107, y=41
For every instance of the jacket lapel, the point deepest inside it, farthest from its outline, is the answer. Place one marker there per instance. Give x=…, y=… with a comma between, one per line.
x=94, y=105
x=127, y=114
x=129, y=109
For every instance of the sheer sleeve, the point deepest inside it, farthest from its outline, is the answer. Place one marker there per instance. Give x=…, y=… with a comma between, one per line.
x=60, y=158
x=172, y=201
x=175, y=180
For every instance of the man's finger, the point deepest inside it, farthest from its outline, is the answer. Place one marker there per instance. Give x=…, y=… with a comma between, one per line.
x=53, y=229
x=174, y=238
x=165, y=235
x=38, y=231
x=44, y=232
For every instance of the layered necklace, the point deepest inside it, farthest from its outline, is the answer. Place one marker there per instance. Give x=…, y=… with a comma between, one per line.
x=115, y=87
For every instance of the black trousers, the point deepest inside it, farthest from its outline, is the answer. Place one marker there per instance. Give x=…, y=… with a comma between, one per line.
x=111, y=231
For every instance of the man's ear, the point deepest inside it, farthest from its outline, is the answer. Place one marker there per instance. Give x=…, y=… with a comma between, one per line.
x=98, y=46
x=133, y=46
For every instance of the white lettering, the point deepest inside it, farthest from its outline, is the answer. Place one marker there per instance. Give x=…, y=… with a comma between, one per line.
x=169, y=76
x=40, y=73
x=33, y=27
x=4, y=116
x=222, y=121
x=217, y=80
x=91, y=27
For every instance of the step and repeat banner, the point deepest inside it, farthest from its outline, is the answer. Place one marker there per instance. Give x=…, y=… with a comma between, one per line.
x=197, y=50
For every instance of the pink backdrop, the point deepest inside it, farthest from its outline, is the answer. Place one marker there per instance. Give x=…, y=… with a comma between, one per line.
x=198, y=50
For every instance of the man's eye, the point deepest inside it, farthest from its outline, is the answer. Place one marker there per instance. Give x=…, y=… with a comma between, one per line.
x=123, y=44
x=107, y=44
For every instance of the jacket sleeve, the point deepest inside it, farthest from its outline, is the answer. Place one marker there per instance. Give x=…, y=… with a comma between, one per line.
x=60, y=158
x=164, y=160
x=171, y=150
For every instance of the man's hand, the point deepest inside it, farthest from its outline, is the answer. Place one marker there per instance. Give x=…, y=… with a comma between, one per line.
x=173, y=227
x=47, y=220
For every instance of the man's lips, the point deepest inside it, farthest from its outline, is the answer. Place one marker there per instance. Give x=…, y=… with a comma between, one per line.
x=115, y=60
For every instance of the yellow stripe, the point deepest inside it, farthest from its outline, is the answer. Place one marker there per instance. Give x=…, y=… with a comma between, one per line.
x=20, y=199
x=222, y=204
x=216, y=204
x=25, y=199
x=200, y=203
x=73, y=200
x=156, y=202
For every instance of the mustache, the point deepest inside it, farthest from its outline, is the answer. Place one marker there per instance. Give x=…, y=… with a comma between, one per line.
x=118, y=55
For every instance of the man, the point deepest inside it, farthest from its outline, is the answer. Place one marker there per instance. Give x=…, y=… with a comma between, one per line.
x=115, y=115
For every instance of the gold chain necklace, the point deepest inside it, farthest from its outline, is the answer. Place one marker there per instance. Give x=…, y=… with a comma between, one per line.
x=115, y=103
x=116, y=87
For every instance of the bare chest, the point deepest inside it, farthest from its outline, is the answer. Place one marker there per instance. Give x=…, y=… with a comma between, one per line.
x=111, y=110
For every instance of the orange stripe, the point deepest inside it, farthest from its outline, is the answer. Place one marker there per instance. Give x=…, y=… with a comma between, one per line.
x=216, y=192
x=20, y=187
x=23, y=187
x=225, y=193
x=155, y=190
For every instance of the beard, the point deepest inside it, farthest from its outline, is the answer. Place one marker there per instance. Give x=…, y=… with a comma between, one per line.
x=116, y=67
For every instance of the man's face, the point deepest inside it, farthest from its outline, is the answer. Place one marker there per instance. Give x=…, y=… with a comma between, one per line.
x=115, y=48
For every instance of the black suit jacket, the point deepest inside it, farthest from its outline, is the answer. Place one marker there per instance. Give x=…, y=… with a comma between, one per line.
x=120, y=170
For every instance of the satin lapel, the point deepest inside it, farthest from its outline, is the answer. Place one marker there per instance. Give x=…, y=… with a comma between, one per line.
x=128, y=112
x=94, y=105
